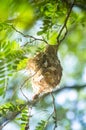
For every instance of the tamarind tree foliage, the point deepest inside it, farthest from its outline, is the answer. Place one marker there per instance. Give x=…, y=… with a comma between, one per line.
x=26, y=27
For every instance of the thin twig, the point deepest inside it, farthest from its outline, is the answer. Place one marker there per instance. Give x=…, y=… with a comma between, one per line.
x=24, y=84
x=64, y=25
x=77, y=87
x=28, y=36
x=33, y=102
x=64, y=34
x=54, y=111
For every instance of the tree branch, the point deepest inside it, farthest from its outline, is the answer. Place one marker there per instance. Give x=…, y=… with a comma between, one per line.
x=77, y=87
x=64, y=26
x=33, y=102
x=80, y=4
x=54, y=112
x=28, y=36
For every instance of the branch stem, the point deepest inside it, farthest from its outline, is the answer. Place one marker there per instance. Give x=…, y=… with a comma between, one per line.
x=33, y=102
x=28, y=36
x=64, y=26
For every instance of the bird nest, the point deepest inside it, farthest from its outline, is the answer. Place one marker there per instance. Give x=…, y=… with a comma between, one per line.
x=46, y=70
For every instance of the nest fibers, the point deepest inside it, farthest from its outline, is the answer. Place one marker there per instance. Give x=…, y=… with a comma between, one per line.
x=46, y=70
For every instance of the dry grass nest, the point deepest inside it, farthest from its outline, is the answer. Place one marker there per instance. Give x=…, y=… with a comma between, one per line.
x=46, y=70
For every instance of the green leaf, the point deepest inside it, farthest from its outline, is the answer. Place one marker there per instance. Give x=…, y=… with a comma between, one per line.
x=40, y=32
x=53, y=38
x=41, y=125
x=1, y=91
x=22, y=64
x=11, y=54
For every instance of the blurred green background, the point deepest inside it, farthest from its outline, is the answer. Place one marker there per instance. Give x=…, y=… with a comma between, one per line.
x=43, y=19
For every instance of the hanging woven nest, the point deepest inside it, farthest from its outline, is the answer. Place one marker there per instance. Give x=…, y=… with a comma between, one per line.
x=46, y=70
